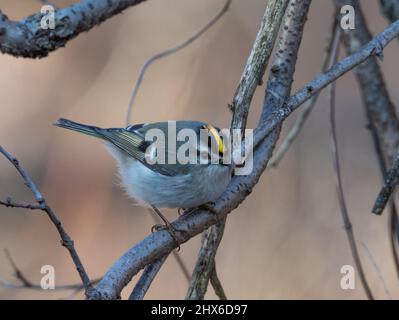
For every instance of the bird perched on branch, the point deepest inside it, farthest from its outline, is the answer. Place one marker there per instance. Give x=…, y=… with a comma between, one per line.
x=178, y=170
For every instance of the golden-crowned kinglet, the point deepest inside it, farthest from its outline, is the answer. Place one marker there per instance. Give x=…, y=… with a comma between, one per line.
x=171, y=184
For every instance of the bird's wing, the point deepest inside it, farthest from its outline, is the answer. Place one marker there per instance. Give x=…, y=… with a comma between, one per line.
x=134, y=144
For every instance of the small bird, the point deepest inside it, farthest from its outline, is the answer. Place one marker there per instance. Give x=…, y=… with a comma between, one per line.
x=164, y=185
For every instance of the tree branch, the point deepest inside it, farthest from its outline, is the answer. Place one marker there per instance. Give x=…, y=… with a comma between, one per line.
x=377, y=270
x=339, y=186
x=391, y=181
x=205, y=262
x=11, y=204
x=26, y=38
x=390, y=9
x=257, y=62
x=216, y=284
x=25, y=283
x=377, y=102
x=66, y=240
x=149, y=273
x=371, y=49
x=282, y=71
x=379, y=108
x=305, y=112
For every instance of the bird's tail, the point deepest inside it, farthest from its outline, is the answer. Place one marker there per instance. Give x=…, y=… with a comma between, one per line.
x=79, y=127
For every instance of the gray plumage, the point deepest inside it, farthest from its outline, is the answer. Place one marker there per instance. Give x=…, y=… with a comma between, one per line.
x=170, y=185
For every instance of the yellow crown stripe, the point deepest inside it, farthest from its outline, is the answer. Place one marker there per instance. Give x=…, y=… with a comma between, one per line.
x=216, y=136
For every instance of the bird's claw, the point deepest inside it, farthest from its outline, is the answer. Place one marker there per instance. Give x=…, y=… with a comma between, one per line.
x=170, y=229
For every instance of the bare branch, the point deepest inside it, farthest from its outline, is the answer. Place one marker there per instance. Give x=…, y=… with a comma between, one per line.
x=168, y=52
x=146, y=279
x=205, y=262
x=305, y=112
x=11, y=204
x=390, y=8
x=371, y=49
x=66, y=240
x=378, y=105
x=380, y=111
x=337, y=170
x=393, y=212
x=26, y=38
x=391, y=181
x=282, y=71
x=25, y=283
x=394, y=235
x=217, y=285
x=377, y=269
x=250, y=79
x=257, y=62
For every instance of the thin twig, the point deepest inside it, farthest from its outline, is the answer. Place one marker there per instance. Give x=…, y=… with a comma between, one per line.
x=182, y=266
x=391, y=181
x=205, y=262
x=305, y=112
x=257, y=62
x=217, y=285
x=25, y=283
x=393, y=212
x=379, y=108
x=371, y=49
x=149, y=273
x=168, y=52
x=377, y=270
x=11, y=204
x=338, y=177
x=390, y=8
x=66, y=240
x=394, y=235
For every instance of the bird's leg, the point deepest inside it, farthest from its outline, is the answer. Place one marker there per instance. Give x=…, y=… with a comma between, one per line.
x=168, y=226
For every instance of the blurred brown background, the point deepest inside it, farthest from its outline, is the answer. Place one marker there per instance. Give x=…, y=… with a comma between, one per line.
x=286, y=241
